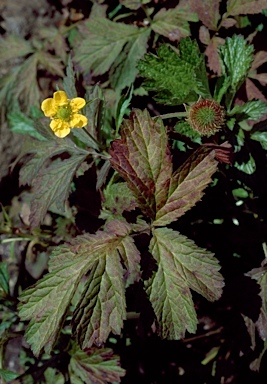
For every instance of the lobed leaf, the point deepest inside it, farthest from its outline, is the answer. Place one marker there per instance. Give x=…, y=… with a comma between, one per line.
x=95, y=366
x=107, y=44
x=252, y=110
x=244, y=7
x=174, y=23
x=181, y=266
x=187, y=185
x=208, y=12
x=260, y=275
x=237, y=57
x=46, y=303
x=260, y=136
x=52, y=185
x=102, y=307
x=13, y=46
x=175, y=78
x=142, y=157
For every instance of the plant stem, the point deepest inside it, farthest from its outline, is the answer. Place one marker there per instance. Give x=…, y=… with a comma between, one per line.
x=171, y=115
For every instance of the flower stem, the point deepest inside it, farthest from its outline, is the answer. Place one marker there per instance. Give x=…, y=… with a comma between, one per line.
x=171, y=115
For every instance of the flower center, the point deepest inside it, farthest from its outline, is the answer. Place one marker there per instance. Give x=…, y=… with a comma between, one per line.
x=205, y=116
x=64, y=112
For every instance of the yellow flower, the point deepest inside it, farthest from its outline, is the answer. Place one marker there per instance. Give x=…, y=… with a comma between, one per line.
x=64, y=113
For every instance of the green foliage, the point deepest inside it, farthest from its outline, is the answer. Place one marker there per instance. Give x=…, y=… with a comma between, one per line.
x=181, y=265
x=4, y=279
x=236, y=58
x=175, y=78
x=106, y=45
x=94, y=366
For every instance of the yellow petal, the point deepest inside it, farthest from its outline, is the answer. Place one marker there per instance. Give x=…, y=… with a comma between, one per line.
x=77, y=103
x=49, y=107
x=60, y=128
x=78, y=121
x=60, y=98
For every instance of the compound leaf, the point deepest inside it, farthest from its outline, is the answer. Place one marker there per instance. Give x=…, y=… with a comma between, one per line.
x=106, y=43
x=142, y=157
x=181, y=266
x=174, y=23
x=175, y=78
x=244, y=7
x=12, y=46
x=187, y=185
x=260, y=275
x=102, y=307
x=52, y=185
x=208, y=11
x=95, y=366
x=45, y=304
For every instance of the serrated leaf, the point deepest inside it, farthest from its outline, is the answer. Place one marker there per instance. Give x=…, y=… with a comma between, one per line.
x=237, y=57
x=69, y=80
x=8, y=375
x=187, y=185
x=4, y=279
x=51, y=63
x=248, y=167
x=12, y=46
x=174, y=23
x=243, y=7
x=181, y=266
x=123, y=71
x=253, y=92
x=252, y=110
x=212, y=54
x=21, y=123
x=260, y=275
x=102, y=307
x=95, y=366
x=27, y=89
x=207, y=11
x=260, y=58
x=102, y=42
x=260, y=136
x=51, y=185
x=118, y=198
x=46, y=303
x=175, y=78
x=142, y=157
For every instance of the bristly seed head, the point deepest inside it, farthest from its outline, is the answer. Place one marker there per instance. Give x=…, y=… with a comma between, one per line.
x=206, y=117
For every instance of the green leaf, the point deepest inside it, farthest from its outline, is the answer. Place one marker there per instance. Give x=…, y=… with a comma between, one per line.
x=27, y=89
x=95, y=366
x=123, y=71
x=102, y=43
x=236, y=58
x=208, y=12
x=118, y=198
x=4, y=279
x=175, y=78
x=252, y=110
x=123, y=107
x=102, y=307
x=46, y=303
x=142, y=157
x=69, y=80
x=21, y=123
x=13, y=46
x=184, y=128
x=240, y=193
x=187, y=185
x=174, y=23
x=52, y=376
x=52, y=185
x=260, y=275
x=51, y=63
x=8, y=375
x=243, y=7
x=260, y=136
x=248, y=167
x=181, y=266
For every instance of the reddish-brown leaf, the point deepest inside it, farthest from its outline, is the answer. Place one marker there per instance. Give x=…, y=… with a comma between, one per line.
x=208, y=12
x=243, y=7
x=253, y=92
x=204, y=35
x=259, y=59
x=142, y=157
x=212, y=54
